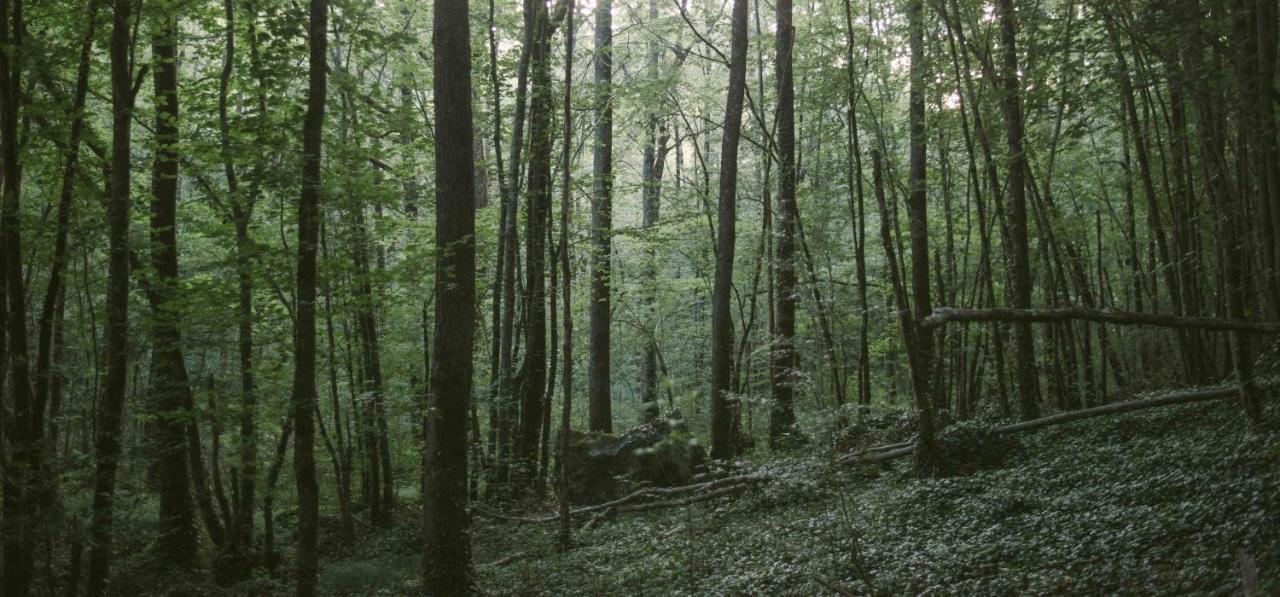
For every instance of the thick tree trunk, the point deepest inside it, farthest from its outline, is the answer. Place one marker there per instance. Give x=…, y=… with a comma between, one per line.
x=600, y=413
x=303, y=400
x=447, y=566
x=22, y=472
x=721, y=316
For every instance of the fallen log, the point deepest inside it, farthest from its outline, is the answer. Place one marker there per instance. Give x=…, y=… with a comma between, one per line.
x=627, y=503
x=894, y=451
x=943, y=315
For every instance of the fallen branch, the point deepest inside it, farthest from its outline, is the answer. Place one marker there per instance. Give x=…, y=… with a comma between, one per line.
x=894, y=451
x=684, y=501
x=625, y=503
x=943, y=315
x=506, y=560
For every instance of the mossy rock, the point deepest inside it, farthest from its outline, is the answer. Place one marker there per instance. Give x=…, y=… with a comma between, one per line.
x=602, y=466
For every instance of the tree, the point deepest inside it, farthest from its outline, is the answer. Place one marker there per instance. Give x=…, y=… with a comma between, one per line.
x=19, y=503
x=721, y=316
x=1023, y=340
x=303, y=401
x=111, y=415
x=533, y=370
x=179, y=534
x=447, y=566
x=600, y=415
x=782, y=418
x=921, y=341
x=563, y=537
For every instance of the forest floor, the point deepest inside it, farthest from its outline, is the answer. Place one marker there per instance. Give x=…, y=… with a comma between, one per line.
x=1172, y=501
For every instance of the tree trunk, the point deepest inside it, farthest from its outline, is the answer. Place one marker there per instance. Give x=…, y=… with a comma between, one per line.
x=179, y=539
x=1027, y=378
x=110, y=416
x=533, y=371
x=782, y=418
x=921, y=343
x=447, y=566
x=721, y=316
x=857, y=215
x=303, y=400
x=563, y=538
x=20, y=501
x=600, y=415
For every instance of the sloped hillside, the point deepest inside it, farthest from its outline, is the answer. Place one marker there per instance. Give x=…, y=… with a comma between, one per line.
x=1173, y=501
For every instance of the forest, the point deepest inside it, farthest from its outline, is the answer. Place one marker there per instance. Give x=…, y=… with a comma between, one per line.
x=639, y=297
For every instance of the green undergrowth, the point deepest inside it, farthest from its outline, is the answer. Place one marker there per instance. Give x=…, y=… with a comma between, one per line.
x=1161, y=502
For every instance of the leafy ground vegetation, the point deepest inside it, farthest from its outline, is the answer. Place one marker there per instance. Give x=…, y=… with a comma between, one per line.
x=1171, y=501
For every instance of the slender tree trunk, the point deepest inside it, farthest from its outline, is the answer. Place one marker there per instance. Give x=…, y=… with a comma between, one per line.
x=654, y=158
x=922, y=341
x=857, y=214
x=497, y=373
x=909, y=328
x=49, y=353
x=269, y=495
x=447, y=565
x=721, y=316
x=507, y=409
x=344, y=446
x=1027, y=378
x=303, y=401
x=563, y=538
x=110, y=415
x=600, y=414
x=382, y=485
x=179, y=536
x=533, y=371
x=782, y=418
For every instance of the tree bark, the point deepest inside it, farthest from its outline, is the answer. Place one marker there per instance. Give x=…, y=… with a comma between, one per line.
x=563, y=538
x=721, y=316
x=600, y=413
x=22, y=472
x=447, y=565
x=917, y=207
x=1027, y=378
x=782, y=418
x=303, y=400
x=533, y=370
x=110, y=416
x=179, y=536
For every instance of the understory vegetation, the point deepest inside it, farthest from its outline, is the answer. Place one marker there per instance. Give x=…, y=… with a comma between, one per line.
x=1162, y=502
